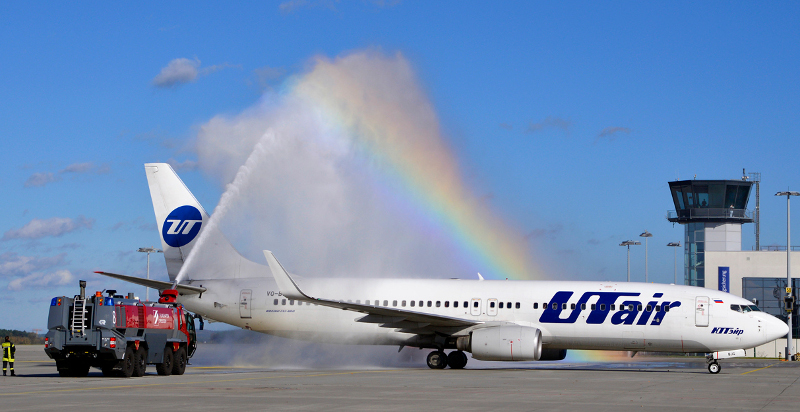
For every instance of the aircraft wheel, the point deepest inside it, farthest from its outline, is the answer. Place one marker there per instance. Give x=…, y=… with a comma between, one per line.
x=457, y=359
x=714, y=367
x=437, y=360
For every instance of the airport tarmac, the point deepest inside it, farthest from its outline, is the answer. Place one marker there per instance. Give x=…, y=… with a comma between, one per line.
x=642, y=383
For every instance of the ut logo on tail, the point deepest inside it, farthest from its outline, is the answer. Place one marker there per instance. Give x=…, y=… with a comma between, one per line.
x=181, y=226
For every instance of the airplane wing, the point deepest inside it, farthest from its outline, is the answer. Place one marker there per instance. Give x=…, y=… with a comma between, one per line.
x=406, y=320
x=156, y=284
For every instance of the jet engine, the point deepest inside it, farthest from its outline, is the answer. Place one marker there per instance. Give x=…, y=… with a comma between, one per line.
x=503, y=343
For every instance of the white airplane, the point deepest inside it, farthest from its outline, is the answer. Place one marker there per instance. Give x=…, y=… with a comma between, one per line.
x=493, y=320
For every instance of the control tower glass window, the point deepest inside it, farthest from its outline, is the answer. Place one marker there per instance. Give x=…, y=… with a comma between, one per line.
x=694, y=274
x=716, y=195
x=702, y=195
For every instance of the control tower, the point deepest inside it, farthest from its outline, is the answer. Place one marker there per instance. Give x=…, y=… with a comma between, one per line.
x=713, y=212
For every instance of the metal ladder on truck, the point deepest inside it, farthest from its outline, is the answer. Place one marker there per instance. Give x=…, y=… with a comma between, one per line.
x=78, y=325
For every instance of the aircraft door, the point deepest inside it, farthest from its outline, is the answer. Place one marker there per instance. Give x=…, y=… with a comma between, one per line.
x=475, y=307
x=491, y=308
x=245, y=302
x=701, y=308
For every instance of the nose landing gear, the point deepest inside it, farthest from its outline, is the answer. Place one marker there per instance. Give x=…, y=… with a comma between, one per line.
x=713, y=366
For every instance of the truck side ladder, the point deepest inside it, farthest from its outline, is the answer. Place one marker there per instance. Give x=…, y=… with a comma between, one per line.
x=78, y=325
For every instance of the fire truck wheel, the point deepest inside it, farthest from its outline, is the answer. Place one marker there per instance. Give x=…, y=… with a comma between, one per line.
x=108, y=370
x=79, y=369
x=128, y=362
x=140, y=362
x=63, y=368
x=165, y=368
x=179, y=365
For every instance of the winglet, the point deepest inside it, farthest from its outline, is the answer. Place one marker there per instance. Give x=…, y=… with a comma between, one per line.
x=285, y=283
x=479, y=276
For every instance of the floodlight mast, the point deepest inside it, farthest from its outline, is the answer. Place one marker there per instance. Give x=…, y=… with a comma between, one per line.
x=789, y=291
x=148, y=250
x=675, y=246
x=645, y=235
x=628, y=243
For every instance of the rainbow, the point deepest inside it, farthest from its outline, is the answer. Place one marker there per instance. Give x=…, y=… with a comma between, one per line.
x=589, y=356
x=392, y=123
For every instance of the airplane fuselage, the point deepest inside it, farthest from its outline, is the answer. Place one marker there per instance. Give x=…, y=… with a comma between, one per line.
x=570, y=315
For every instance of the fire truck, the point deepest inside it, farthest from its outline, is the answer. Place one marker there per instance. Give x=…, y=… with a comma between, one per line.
x=119, y=335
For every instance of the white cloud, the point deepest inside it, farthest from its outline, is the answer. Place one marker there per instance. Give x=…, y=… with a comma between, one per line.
x=77, y=168
x=550, y=122
x=266, y=76
x=55, y=226
x=41, y=179
x=57, y=278
x=217, y=67
x=184, y=165
x=291, y=6
x=178, y=71
x=183, y=70
x=13, y=264
x=609, y=133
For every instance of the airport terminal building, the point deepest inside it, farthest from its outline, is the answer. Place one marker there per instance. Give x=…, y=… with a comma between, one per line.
x=713, y=212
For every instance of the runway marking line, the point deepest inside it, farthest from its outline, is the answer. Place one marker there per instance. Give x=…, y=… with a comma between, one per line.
x=191, y=383
x=759, y=369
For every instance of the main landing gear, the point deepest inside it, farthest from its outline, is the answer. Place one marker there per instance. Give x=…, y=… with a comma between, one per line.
x=439, y=360
x=713, y=366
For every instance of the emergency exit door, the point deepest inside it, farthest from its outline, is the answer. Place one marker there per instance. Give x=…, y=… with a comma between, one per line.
x=701, y=307
x=475, y=307
x=245, y=303
x=491, y=309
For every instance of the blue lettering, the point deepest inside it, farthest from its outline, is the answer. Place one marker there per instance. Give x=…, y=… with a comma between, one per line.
x=660, y=315
x=646, y=315
x=604, y=298
x=597, y=316
x=627, y=316
x=553, y=312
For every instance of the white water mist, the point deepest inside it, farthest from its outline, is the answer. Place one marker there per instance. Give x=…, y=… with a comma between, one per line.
x=229, y=197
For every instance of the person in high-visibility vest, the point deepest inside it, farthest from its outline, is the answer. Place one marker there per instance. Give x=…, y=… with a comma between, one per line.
x=8, y=355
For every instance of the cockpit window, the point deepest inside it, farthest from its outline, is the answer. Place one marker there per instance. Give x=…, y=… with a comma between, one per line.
x=754, y=308
x=736, y=308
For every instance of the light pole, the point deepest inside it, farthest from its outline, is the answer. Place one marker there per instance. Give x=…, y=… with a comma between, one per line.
x=645, y=235
x=675, y=246
x=148, y=250
x=628, y=243
x=789, y=296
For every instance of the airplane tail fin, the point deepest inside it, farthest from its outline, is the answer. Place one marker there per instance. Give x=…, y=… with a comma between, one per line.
x=180, y=219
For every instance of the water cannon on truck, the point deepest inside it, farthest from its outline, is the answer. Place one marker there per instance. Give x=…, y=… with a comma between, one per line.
x=118, y=334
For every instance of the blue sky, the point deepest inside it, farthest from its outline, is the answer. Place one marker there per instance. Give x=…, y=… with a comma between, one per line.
x=571, y=117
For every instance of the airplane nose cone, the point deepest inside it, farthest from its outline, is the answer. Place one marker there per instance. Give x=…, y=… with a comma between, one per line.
x=776, y=328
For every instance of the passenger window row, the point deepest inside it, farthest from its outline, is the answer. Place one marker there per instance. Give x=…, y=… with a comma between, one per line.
x=612, y=308
x=291, y=302
x=412, y=303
